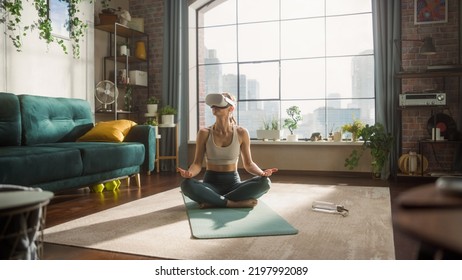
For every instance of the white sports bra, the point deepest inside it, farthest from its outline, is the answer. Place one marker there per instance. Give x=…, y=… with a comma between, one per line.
x=222, y=155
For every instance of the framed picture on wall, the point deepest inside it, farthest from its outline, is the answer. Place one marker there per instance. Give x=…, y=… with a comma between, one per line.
x=430, y=11
x=59, y=15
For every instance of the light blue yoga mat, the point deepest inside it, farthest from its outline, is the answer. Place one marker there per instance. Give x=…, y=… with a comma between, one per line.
x=235, y=222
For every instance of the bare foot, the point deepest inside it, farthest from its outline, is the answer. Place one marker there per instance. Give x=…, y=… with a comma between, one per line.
x=248, y=203
x=205, y=205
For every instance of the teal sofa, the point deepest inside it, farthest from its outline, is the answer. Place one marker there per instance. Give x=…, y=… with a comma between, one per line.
x=39, y=147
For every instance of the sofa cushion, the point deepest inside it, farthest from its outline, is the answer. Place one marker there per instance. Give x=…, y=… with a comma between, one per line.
x=27, y=166
x=105, y=156
x=10, y=120
x=110, y=131
x=51, y=119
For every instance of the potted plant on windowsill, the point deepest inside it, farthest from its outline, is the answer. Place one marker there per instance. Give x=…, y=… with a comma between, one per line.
x=380, y=144
x=354, y=128
x=271, y=130
x=292, y=122
x=168, y=115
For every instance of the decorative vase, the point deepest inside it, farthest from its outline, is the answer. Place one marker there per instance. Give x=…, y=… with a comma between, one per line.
x=337, y=136
x=354, y=137
x=140, y=50
x=123, y=50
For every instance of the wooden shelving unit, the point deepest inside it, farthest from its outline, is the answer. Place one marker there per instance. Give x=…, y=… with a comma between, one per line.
x=122, y=34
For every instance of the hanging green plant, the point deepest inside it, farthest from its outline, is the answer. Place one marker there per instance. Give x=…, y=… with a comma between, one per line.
x=11, y=16
x=105, y=4
x=11, y=13
x=76, y=26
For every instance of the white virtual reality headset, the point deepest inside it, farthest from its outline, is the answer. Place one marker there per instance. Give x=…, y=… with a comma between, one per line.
x=219, y=100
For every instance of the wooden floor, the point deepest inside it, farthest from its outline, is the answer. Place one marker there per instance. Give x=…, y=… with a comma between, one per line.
x=81, y=202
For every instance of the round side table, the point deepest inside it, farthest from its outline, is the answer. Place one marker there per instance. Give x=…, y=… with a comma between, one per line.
x=22, y=220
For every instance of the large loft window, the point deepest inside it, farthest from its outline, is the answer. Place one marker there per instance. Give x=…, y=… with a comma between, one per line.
x=274, y=54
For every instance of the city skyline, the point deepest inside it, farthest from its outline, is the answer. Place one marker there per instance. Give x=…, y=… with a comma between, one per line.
x=323, y=118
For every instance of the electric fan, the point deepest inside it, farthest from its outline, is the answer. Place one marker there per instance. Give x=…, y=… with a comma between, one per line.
x=106, y=93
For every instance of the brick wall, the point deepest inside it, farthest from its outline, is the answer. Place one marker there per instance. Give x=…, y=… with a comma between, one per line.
x=446, y=39
x=153, y=13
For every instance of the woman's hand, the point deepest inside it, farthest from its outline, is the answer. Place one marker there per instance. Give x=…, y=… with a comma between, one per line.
x=185, y=173
x=269, y=172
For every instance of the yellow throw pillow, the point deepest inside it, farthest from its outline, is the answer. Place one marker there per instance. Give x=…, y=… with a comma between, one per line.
x=110, y=131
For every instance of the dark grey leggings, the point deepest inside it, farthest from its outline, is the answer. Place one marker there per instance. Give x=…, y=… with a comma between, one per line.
x=218, y=187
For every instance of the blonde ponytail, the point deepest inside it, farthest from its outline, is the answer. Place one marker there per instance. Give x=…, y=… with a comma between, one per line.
x=232, y=120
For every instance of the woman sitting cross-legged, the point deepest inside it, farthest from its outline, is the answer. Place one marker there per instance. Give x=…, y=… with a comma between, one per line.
x=221, y=144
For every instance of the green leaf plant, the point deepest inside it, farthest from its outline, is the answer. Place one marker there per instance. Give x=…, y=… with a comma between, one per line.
x=167, y=110
x=380, y=144
x=11, y=16
x=294, y=117
x=273, y=124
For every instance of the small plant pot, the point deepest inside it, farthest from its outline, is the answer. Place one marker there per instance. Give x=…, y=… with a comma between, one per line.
x=105, y=19
x=292, y=138
x=152, y=108
x=269, y=134
x=168, y=119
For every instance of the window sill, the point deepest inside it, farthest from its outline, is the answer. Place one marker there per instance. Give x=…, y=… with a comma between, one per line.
x=304, y=155
x=309, y=143
x=301, y=143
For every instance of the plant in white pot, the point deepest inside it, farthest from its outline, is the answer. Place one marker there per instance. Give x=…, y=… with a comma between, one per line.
x=380, y=143
x=292, y=122
x=271, y=130
x=152, y=105
x=154, y=123
x=168, y=115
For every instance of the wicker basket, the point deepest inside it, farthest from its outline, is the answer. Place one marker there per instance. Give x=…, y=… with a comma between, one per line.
x=21, y=228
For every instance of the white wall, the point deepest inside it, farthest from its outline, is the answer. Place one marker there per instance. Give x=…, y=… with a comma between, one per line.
x=41, y=69
x=101, y=41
